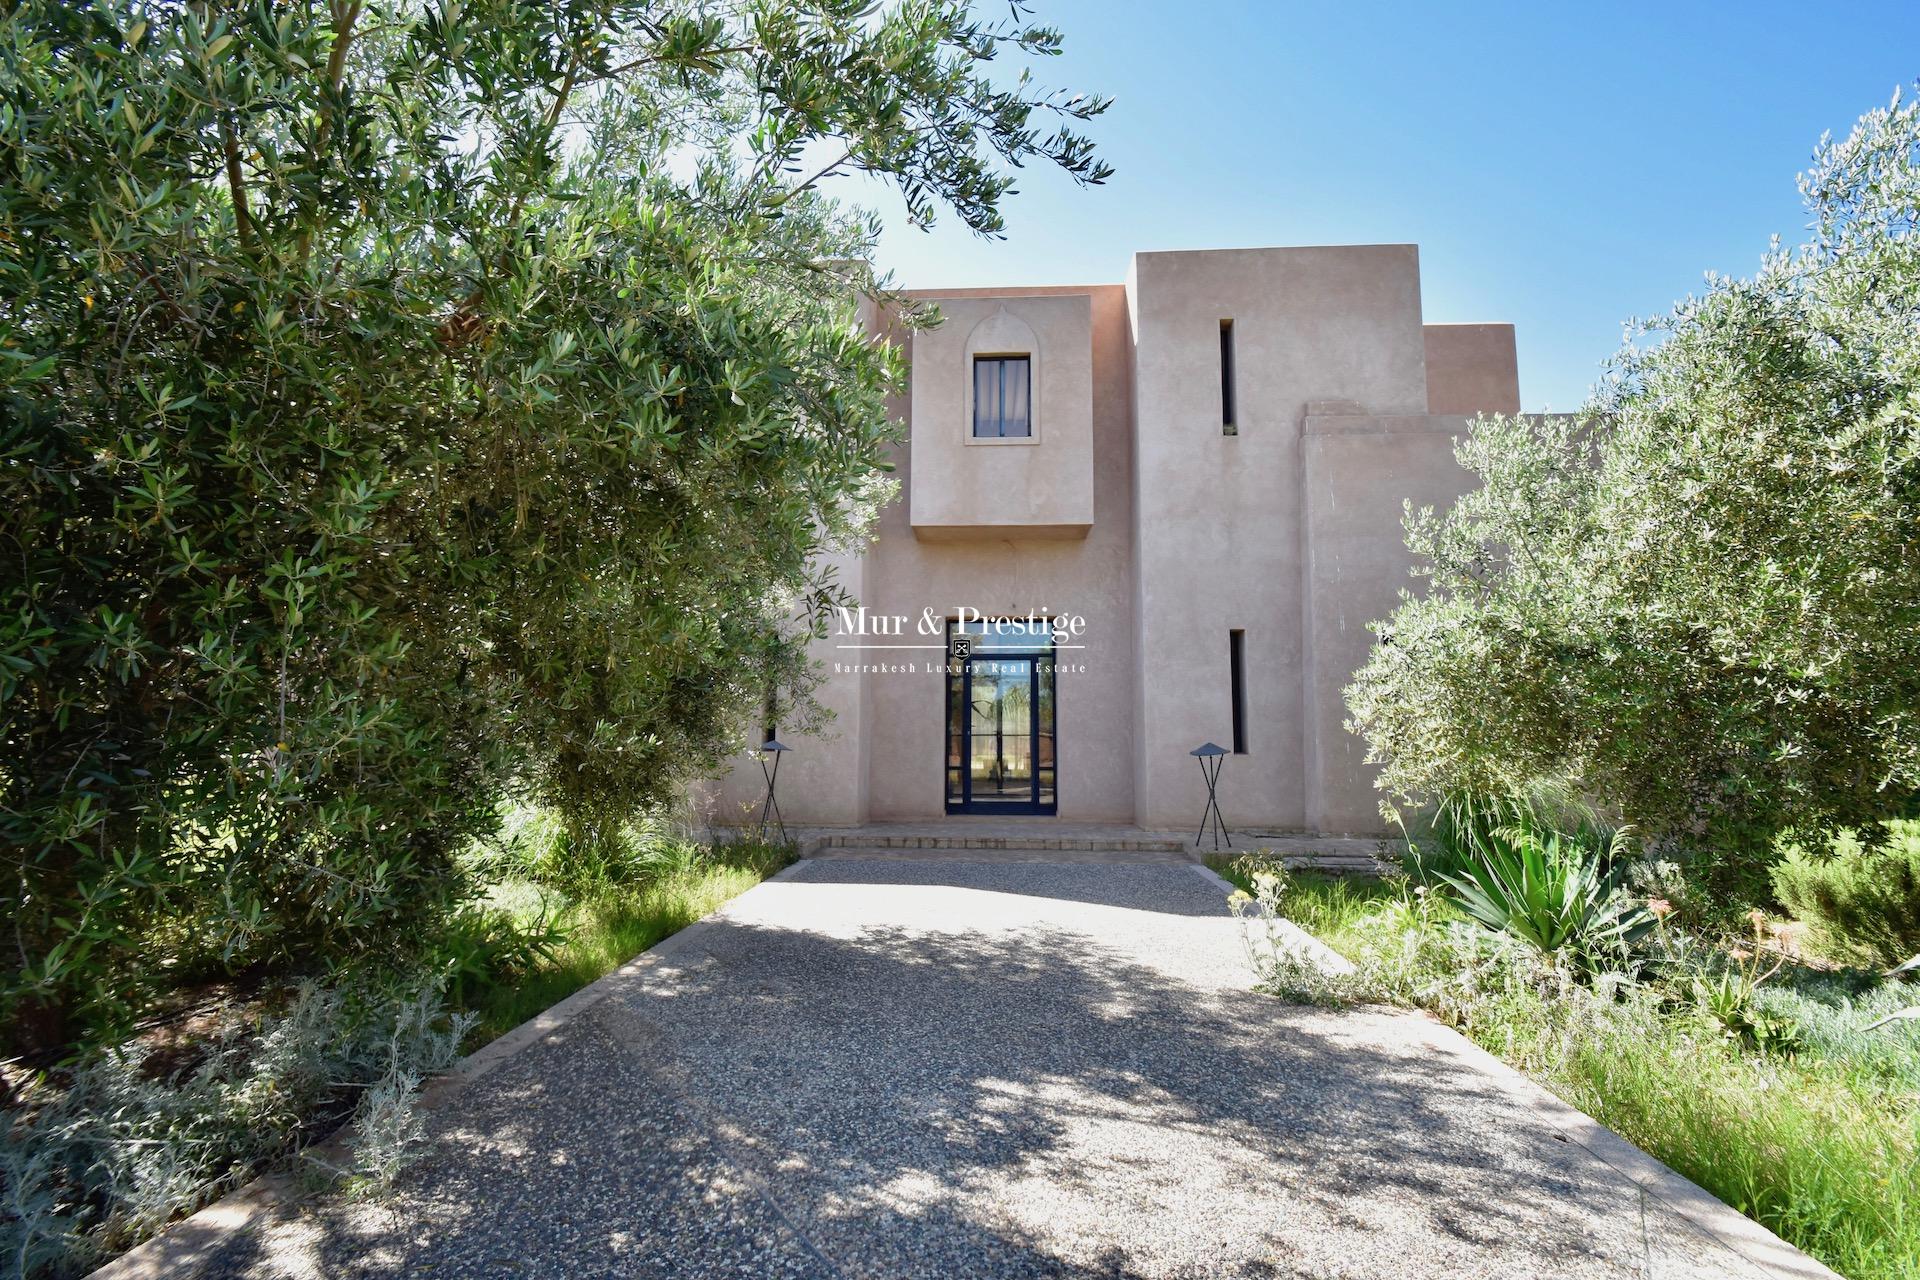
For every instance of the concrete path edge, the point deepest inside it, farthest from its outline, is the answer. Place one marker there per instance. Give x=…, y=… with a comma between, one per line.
x=1655, y=1178
x=185, y=1244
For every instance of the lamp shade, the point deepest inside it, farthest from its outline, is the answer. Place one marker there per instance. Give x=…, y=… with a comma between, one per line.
x=773, y=744
x=1208, y=749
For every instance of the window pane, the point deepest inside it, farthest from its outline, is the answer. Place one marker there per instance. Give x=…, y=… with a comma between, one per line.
x=1013, y=399
x=1227, y=421
x=1237, y=680
x=1002, y=396
x=986, y=397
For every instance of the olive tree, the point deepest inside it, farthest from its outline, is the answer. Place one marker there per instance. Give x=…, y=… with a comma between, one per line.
x=403, y=402
x=1698, y=600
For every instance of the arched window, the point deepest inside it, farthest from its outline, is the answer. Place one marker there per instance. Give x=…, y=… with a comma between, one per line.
x=1003, y=386
x=1002, y=396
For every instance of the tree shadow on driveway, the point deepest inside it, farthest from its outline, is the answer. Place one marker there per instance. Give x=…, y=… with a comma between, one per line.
x=996, y=1086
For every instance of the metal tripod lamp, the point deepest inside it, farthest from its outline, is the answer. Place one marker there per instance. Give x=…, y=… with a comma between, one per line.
x=1211, y=756
x=770, y=809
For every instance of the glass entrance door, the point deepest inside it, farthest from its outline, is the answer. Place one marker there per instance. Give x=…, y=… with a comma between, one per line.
x=1000, y=730
x=1000, y=727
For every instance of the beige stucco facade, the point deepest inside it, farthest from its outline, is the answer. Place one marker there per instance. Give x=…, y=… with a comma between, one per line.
x=1130, y=503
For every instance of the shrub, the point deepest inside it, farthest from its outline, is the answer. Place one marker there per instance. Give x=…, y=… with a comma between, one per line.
x=538, y=844
x=607, y=927
x=1819, y=1144
x=482, y=945
x=1282, y=957
x=1549, y=893
x=387, y=1128
x=1789, y=1141
x=96, y=1163
x=1512, y=867
x=387, y=416
x=1461, y=822
x=1864, y=903
x=1725, y=988
x=1696, y=599
x=1830, y=1016
x=1447, y=843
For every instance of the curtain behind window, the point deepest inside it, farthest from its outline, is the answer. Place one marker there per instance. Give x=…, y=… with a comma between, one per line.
x=1014, y=420
x=986, y=397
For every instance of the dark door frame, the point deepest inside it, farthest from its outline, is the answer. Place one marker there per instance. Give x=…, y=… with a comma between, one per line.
x=1033, y=804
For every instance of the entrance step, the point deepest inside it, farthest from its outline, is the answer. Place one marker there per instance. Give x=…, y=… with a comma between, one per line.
x=948, y=853
x=1040, y=841
x=869, y=840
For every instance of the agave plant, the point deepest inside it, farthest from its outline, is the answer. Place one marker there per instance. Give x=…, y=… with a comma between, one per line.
x=1912, y=1011
x=1457, y=834
x=1547, y=887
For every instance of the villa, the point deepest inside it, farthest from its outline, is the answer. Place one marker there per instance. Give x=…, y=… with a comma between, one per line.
x=1135, y=518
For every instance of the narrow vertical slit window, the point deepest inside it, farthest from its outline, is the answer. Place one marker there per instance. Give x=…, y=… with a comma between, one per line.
x=1228, y=425
x=769, y=722
x=1237, y=672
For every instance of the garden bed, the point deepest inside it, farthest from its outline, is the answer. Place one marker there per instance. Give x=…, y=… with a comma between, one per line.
x=1811, y=1127
x=106, y=1152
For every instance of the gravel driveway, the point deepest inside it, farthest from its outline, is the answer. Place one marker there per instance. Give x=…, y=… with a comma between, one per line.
x=893, y=1067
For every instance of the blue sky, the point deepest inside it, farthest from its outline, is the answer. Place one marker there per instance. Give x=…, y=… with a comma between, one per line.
x=1562, y=167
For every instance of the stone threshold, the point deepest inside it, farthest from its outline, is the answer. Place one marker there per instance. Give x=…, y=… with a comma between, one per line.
x=879, y=839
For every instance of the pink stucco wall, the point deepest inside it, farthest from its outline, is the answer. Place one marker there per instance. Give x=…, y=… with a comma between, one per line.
x=1135, y=510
